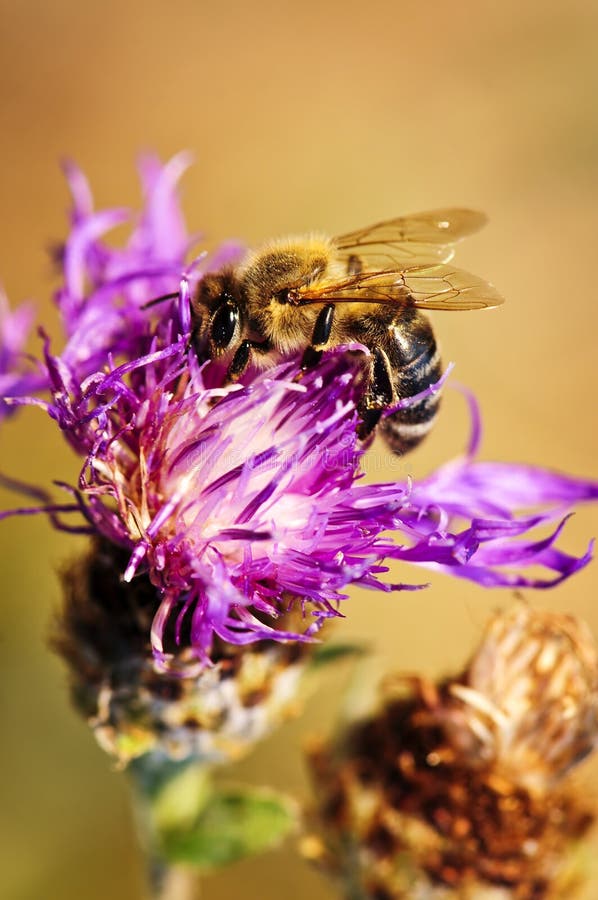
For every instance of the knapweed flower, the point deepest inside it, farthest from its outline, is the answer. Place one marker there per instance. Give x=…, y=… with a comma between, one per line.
x=244, y=504
x=458, y=789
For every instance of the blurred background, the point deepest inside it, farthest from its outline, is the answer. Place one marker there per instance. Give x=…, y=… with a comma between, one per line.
x=302, y=116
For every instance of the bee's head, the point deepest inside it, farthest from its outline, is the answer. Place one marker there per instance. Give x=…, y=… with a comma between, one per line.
x=217, y=313
x=272, y=279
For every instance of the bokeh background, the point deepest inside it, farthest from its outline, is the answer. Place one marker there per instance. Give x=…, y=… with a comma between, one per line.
x=302, y=115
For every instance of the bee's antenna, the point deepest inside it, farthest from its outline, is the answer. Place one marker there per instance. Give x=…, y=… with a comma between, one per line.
x=161, y=299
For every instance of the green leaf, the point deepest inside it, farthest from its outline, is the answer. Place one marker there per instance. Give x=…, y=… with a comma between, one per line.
x=235, y=823
x=327, y=654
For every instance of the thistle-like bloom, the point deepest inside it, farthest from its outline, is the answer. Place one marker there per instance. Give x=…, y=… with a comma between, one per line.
x=459, y=788
x=243, y=503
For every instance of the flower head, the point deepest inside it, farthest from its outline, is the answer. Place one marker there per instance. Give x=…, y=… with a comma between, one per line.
x=458, y=788
x=242, y=502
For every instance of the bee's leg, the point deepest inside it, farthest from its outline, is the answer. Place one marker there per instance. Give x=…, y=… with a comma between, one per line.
x=379, y=396
x=320, y=337
x=241, y=359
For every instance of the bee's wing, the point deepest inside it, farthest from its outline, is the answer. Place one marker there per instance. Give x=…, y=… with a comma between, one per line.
x=424, y=237
x=423, y=285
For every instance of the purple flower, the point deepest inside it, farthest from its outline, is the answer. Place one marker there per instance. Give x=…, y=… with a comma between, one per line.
x=243, y=501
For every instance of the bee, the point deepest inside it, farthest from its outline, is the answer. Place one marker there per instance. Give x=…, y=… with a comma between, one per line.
x=307, y=294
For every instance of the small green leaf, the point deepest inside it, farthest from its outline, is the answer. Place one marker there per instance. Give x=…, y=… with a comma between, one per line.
x=327, y=654
x=235, y=823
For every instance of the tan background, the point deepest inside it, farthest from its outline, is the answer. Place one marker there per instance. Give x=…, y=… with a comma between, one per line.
x=307, y=115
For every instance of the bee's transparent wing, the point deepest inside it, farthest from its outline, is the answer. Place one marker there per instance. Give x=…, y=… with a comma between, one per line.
x=421, y=237
x=425, y=286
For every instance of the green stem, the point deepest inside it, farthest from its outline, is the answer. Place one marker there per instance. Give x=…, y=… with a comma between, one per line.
x=154, y=802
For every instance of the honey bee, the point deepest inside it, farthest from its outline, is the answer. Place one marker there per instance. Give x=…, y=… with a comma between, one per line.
x=311, y=293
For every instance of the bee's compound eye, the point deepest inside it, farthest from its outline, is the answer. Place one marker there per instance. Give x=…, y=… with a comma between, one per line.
x=224, y=325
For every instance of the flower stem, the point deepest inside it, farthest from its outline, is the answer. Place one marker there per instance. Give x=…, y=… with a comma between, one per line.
x=166, y=793
x=176, y=883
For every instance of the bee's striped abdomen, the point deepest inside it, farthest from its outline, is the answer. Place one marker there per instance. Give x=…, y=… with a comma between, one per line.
x=403, y=430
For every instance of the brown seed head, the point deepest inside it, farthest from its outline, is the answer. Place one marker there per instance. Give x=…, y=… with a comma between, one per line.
x=452, y=790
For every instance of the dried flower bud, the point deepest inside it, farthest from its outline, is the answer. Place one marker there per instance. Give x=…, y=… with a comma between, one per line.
x=530, y=695
x=103, y=633
x=454, y=790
